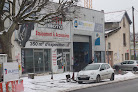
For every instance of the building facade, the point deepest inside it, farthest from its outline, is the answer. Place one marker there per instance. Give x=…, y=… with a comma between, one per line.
x=61, y=45
x=117, y=35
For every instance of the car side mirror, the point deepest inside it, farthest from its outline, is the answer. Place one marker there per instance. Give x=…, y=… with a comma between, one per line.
x=121, y=63
x=101, y=69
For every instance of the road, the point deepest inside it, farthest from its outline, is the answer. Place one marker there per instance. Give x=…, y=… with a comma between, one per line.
x=125, y=86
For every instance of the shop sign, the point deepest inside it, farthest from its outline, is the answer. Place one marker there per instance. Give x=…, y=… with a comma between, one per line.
x=46, y=34
x=36, y=44
x=10, y=71
x=54, y=57
x=54, y=23
x=83, y=25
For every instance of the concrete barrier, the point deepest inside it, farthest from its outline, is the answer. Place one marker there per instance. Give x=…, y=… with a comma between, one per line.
x=12, y=86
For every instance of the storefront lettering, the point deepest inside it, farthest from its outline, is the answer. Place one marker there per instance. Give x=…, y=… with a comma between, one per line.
x=36, y=43
x=54, y=26
x=45, y=44
x=43, y=33
x=51, y=34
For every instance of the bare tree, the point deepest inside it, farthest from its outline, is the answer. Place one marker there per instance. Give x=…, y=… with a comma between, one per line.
x=19, y=12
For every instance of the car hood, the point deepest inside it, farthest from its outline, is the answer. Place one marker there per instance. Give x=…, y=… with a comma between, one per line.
x=88, y=72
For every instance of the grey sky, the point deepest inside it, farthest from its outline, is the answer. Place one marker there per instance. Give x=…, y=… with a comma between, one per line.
x=117, y=5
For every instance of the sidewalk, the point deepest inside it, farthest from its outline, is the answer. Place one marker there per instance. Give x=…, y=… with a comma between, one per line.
x=58, y=84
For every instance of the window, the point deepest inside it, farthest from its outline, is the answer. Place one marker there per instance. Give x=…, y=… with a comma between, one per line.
x=109, y=45
x=130, y=62
x=107, y=66
x=103, y=66
x=125, y=62
x=124, y=39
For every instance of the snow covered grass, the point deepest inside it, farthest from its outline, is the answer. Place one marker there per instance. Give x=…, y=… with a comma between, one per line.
x=58, y=83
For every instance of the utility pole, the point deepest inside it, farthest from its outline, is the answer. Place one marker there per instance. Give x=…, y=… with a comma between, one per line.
x=133, y=32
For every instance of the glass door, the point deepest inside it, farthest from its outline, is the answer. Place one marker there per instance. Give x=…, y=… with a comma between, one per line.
x=38, y=60
x=68, y=62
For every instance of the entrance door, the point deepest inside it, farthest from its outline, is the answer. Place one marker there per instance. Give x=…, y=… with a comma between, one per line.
x=38, y=60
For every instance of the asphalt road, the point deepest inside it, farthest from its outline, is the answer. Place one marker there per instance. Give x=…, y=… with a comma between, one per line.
x=125, y=86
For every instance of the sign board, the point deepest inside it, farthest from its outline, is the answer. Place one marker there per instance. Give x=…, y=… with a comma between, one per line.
x=10, y=71
x=83, y=25
x=47, y=34
x=37, y=44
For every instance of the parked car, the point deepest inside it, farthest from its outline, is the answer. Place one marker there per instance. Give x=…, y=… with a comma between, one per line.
x=95, y=72
x=127, y=65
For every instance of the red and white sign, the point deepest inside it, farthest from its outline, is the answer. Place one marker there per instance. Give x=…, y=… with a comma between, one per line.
x=47, y=34
x=54, y=57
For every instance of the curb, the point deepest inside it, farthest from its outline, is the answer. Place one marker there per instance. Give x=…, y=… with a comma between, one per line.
x=100, y=84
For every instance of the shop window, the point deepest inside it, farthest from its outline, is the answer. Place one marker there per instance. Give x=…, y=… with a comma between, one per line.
x=27, y=60
x=47, y=60
x=63, y=59
x=59, y=58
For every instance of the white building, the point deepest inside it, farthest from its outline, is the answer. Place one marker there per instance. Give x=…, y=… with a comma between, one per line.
x=61, y=45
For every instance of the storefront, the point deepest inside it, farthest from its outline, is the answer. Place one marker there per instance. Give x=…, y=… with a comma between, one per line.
x=57, y=46
x=36, y=60
x=46, y=50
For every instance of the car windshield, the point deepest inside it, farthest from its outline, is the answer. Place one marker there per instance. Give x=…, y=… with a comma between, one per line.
x=92, y=67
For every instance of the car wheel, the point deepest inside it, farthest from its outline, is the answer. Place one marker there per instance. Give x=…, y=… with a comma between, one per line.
x=98, y=79
x=117, y=68
x=80, y=82
x=134, y=69
x=112, y=77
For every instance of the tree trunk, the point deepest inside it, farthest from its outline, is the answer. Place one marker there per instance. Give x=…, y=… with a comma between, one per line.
x=5, y=40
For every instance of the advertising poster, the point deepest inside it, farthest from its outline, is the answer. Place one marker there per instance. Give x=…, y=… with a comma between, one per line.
x=10, y=71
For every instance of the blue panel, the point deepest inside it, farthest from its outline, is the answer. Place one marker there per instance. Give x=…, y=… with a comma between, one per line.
x=97, y=41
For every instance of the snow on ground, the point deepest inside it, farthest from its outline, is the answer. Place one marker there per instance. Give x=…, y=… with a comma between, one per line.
x=58, y=83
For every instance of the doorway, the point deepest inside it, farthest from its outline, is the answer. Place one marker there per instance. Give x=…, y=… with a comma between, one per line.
x=67, y=62
x=38, y=61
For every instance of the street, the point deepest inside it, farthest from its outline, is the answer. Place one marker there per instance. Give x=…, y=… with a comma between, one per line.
x=125, y=86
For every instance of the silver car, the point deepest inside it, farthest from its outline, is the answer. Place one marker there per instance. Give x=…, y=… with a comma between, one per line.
x=127, y=65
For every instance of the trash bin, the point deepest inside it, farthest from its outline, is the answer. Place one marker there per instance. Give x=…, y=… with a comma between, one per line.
x=31, y=75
